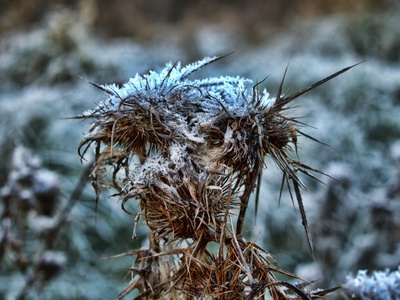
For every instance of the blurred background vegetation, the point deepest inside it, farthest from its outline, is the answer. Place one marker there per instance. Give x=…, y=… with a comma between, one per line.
x=51, y=245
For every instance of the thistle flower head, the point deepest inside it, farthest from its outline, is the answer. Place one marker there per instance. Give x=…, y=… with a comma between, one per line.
x=199, y=146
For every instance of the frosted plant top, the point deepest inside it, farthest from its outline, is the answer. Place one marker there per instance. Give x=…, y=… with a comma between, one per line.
x=171, y=89
x=215, y=127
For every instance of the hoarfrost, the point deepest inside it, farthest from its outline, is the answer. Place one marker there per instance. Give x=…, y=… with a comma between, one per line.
x=381, y=285
x=177, y=152
x=211, y=94
x=228, y=135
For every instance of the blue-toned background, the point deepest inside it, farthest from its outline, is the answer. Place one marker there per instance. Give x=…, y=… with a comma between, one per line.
x=45, y=49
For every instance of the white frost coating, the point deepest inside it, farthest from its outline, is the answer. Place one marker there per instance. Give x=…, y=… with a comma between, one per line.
x=189, y=69
x=40, y=223
x=45, y=181
x=266, y=100
x=228, y=135
x=54, y=257
x=195, y=138
x=215, y=81
x=145, y=172
x=177, y=154
x=381, y=285
x=209, y=93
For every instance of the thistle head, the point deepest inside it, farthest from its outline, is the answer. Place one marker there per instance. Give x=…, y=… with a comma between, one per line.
x=192, y=152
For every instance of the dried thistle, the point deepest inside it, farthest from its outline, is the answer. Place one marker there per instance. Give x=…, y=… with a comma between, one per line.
x=192, y=152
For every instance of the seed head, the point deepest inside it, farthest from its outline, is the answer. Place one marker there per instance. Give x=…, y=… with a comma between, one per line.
x=193, y=152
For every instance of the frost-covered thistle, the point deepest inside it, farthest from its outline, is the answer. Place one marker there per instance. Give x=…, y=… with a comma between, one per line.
x=192, y=152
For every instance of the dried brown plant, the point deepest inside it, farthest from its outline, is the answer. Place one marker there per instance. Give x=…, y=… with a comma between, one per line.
x=192, y=152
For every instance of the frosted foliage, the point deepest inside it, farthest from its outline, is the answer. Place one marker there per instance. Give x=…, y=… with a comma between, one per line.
x=382, y=285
